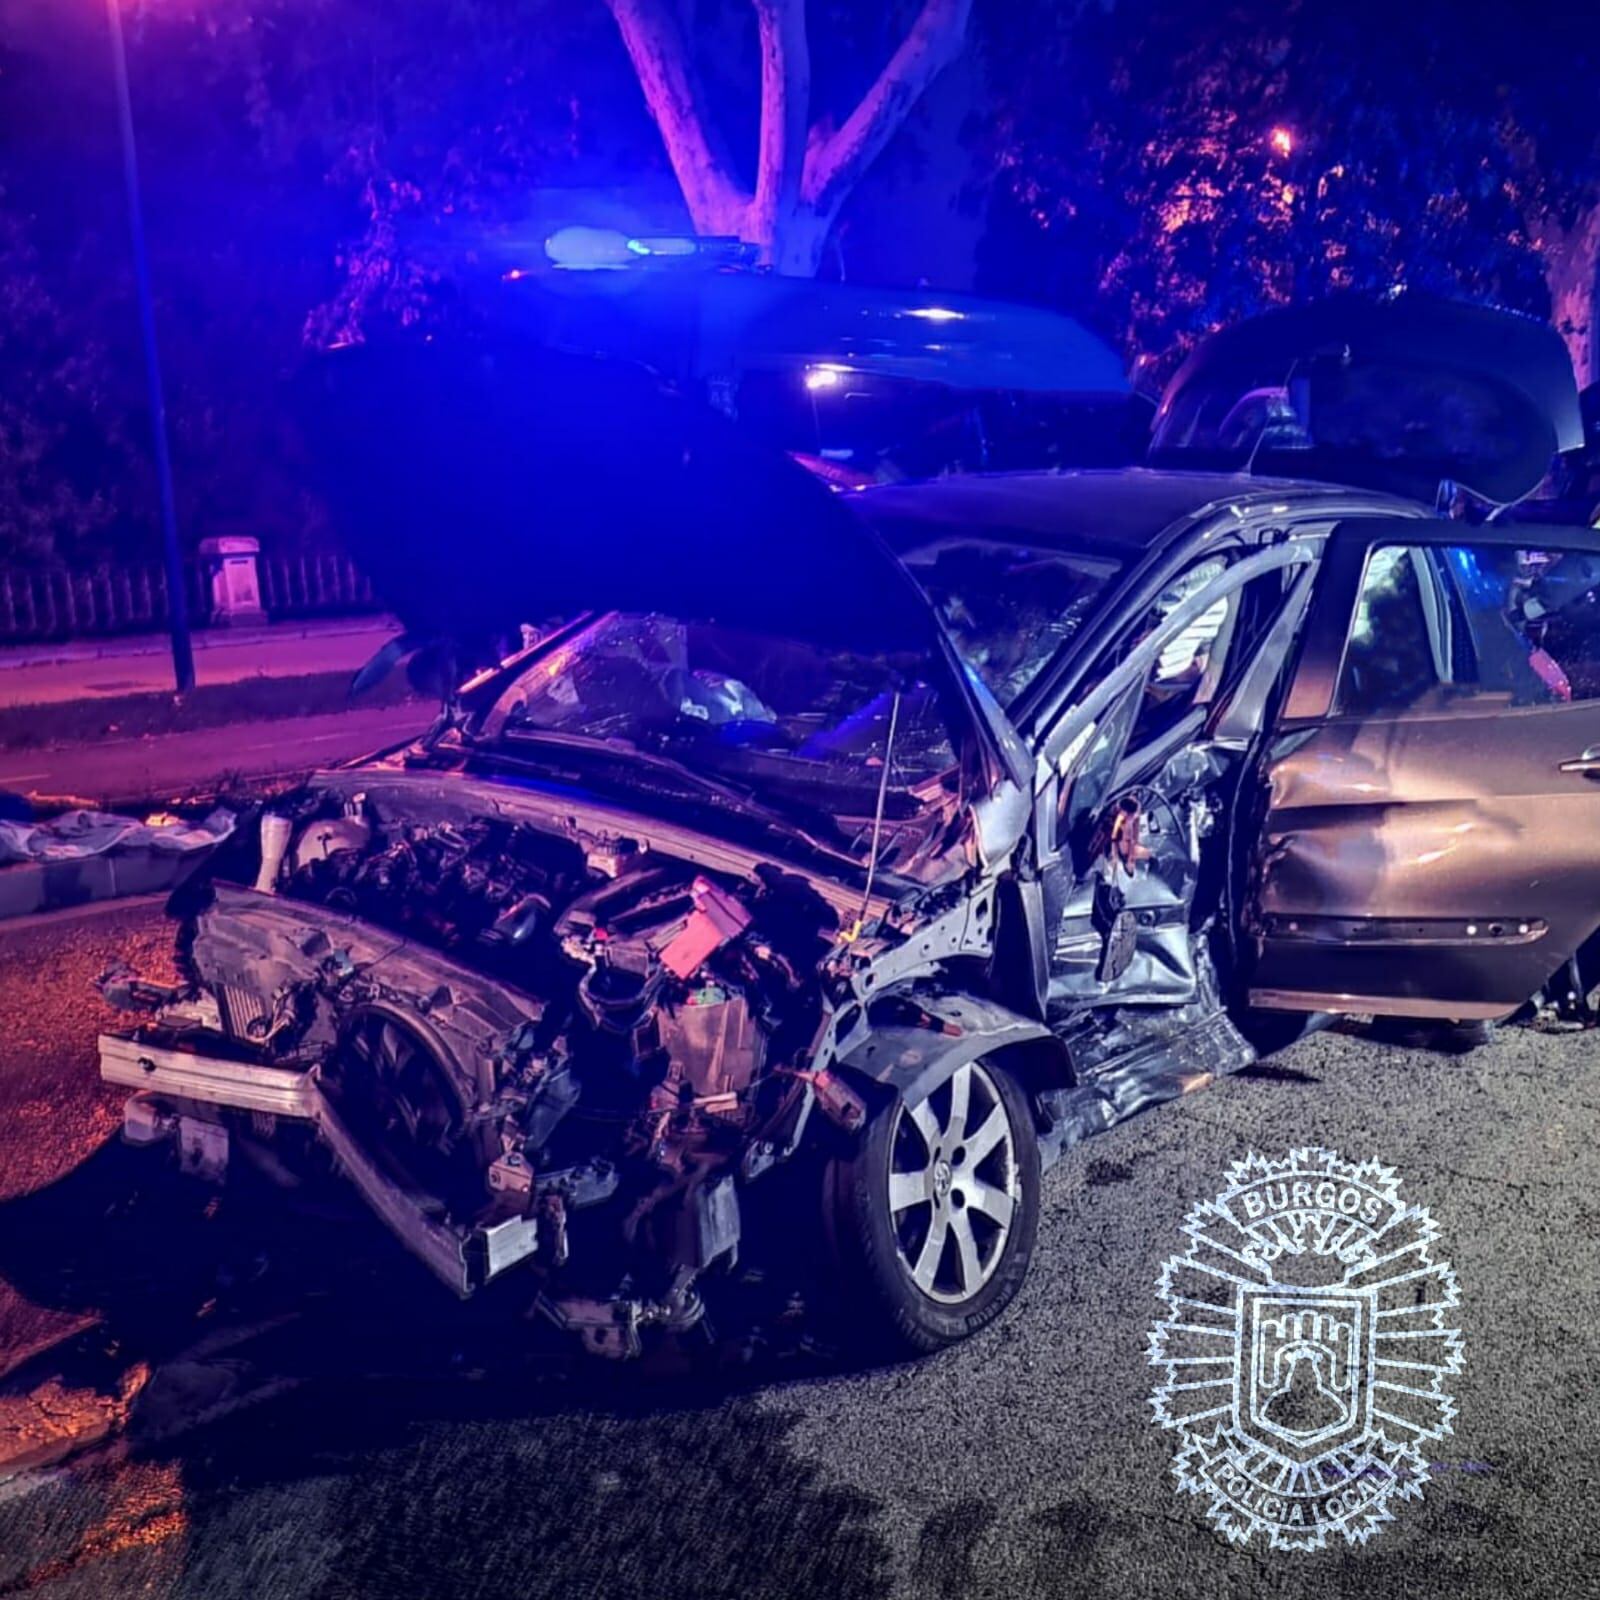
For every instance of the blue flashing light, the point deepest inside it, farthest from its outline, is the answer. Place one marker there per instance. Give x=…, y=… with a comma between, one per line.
x=667, y=244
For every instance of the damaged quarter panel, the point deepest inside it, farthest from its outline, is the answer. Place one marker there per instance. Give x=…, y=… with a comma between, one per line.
x=918, y=1038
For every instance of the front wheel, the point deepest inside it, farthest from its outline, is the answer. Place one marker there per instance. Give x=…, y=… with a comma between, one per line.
x=935, y=1210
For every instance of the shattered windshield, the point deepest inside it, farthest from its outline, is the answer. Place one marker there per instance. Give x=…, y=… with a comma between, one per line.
x=796, y=726
x=1008, y=607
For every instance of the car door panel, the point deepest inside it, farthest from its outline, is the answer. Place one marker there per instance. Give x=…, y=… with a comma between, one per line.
x=1155, y=893
x=1121, y=917
x=1437, y=860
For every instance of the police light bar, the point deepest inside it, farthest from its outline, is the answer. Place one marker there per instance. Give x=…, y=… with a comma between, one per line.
x=583, y=249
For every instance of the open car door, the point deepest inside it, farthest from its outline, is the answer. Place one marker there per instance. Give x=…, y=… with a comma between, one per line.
x=1429, y=843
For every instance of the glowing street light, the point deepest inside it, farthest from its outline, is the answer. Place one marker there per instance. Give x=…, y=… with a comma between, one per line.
x=1282, y=140
x=177, y=596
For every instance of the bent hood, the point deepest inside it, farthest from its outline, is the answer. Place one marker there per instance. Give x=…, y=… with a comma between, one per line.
x=1399, y=394
x=482, y=486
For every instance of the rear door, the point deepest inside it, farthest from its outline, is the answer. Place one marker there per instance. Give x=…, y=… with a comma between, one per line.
x=1429, y=843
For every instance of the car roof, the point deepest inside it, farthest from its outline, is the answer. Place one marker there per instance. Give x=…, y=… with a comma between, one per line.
x=1125, y=510
x=697, y=323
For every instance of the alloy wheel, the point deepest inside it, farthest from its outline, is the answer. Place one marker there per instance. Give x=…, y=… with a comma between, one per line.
x=954, y=1185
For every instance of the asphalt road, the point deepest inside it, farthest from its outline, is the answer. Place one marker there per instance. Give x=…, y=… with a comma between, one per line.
x=288, y=1409
x=46, y=674
x=119, y=771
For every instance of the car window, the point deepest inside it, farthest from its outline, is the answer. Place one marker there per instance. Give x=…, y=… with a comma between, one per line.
x=1009, y=607
x=1186, y=672
x=1437, y=627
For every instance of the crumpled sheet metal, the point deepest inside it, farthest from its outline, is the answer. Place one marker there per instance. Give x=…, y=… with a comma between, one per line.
x=84, y=856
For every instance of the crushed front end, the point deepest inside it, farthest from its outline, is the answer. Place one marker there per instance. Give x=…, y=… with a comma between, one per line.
x=545, y=1045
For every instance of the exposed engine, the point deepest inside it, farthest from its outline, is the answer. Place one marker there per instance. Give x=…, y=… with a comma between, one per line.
x=620, y=946
x=538, y=1036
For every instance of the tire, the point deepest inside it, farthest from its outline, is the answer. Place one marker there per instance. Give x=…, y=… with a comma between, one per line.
x=1272, y=1031
x=934, y=1237
x=1449, y=1038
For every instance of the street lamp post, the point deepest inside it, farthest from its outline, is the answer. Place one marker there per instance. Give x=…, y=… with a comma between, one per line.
x=177, y=595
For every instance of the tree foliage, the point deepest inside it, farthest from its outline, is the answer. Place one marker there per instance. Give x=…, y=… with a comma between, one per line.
x=60, y=424
x=1169, y=165
x=313, y=171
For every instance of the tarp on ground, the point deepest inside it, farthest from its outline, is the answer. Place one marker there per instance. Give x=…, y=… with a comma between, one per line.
x=83, y=856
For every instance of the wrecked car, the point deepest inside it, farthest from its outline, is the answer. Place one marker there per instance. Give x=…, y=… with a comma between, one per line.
x=904, y=837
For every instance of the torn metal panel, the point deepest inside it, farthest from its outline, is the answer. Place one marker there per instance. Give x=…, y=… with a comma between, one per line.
x=1129, y=1059
x=918, y=1038
x=187, y=1079
x=263, y=953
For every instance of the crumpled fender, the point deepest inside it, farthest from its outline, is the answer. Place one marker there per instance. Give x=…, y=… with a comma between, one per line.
x=914, y=1060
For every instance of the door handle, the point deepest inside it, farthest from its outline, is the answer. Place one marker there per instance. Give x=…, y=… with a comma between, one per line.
x=1588, y=762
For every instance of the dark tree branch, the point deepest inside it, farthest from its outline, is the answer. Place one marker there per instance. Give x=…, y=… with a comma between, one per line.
x=655, y=44
x=785, y=111
x=834, y=164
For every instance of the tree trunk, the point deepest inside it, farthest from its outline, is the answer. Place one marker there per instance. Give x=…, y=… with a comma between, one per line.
x=798, y=245
x=802, y=176
x=1572, y=272
x=656, y=46
x=785, y=110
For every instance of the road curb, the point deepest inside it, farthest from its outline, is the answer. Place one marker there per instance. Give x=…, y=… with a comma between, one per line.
x=53, y=1421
